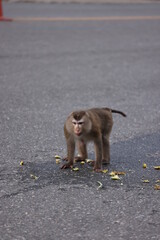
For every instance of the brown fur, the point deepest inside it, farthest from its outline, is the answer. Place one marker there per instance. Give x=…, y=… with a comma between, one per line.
x=96, y=125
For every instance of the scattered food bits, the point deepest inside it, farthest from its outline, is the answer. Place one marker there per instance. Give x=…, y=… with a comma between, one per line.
x=115, y=177
x=21, y=163
x=145, y=181
x=157, y=187
x=58, y=161
x=100, y=185
x=112, y=173
x=144, y=165
x=89, y=160
x=157, y=167
x=82, y=162
x=75, y=169
x=33, y=176
x=104, y=170
x=119, y=173
x=158, y=181
x=57, y=157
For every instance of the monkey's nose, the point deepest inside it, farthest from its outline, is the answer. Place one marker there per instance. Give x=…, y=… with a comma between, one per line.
x=77, y=128
x=77, y=131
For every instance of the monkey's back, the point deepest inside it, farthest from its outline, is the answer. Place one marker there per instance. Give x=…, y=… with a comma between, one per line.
x=102, y=117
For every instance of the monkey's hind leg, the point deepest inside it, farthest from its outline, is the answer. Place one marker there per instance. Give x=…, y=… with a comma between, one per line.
x=106, y=150
x=98, y=153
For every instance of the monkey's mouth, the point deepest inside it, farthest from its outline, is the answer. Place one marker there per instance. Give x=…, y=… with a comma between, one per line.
x=78, y=133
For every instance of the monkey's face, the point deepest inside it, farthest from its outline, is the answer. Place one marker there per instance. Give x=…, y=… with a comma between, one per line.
x=78, y=126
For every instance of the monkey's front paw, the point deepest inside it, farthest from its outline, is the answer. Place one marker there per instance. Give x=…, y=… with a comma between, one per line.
x=67, y=165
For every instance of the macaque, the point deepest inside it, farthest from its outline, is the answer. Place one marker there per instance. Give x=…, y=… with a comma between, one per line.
x=84, y=126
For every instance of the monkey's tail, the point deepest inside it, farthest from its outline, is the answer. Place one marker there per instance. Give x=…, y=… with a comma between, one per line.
x=116, y=111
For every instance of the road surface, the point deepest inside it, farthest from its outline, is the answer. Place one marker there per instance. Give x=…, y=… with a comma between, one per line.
x=50, y=66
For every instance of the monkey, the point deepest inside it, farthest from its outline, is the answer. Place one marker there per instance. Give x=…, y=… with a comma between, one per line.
x=83, y=126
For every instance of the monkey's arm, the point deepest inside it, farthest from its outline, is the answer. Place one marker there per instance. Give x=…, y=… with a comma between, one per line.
x=98, y=153
x=70, y=153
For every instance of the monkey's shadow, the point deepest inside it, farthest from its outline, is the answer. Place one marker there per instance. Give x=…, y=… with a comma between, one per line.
x=127, y=156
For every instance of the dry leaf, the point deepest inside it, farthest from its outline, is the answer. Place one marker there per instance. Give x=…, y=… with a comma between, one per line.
x=104, y=170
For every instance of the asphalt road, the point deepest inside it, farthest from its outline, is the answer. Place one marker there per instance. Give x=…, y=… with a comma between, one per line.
x=50, y=68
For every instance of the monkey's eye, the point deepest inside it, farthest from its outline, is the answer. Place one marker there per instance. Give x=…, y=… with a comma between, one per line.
x=74, y=123
x=80, y=123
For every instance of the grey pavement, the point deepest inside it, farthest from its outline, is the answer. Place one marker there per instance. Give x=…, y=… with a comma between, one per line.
x=47, y=70
x=86, y=1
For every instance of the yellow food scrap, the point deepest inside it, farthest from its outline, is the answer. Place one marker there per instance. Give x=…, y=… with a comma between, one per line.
x=21, y=163
x=57, y=156
x=119, y=173
x=75, y=169
x=33, y=176
x=104, y=170
x=100, y=185
x=112, y=173
x=115, y=177
x=157, y=187
x=157, y=167
x=144, y=165
x=158, y=181
x=57, y=161
x=145, y=181
x=82, y=162
x=89, y=160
